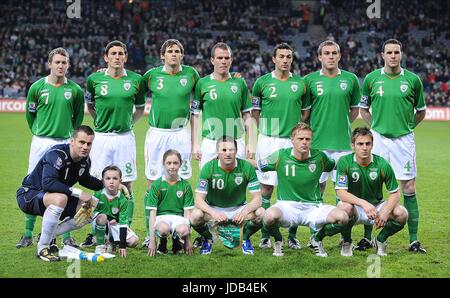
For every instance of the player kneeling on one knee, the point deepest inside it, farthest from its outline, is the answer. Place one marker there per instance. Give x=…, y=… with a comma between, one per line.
x=112, y=213
x=359, y=185
x=220, y=200
x=170, y=202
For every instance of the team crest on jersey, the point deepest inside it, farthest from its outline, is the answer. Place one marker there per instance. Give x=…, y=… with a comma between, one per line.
x=403, y=88
x=238, y=180
x=234, y=88
x=115, y=210
x=343, y=85
x=312, y=167
x=68, y=94
x=373, y=175
x=294, y=87
x=126, y=86
x=179, y=194
x=153, y=172
x=81, y=171
x=183, y=82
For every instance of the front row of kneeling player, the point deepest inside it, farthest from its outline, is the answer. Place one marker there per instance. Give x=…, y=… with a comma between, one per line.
x=220, y=197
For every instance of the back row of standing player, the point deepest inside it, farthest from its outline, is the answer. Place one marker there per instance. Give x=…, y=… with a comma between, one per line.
x=329, y=99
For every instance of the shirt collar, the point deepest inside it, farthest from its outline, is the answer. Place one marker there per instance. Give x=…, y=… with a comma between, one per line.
x=321, y=72
x=274, y=77
x=402, y=71
x=109, y=196
x=124, y=73
x=47, y=82
x=163, y=178
x=165, y=69
x=371, y=158
x=213, y=78
x=292, y=153
x=235, y=163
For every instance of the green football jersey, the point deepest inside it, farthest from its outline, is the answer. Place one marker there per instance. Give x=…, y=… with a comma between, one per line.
x=222, y=103
x=114, y=208
x=171, y=95
x=54, y=111
x=330, y=101
x=297, y=180
x=393, y=99
x=114, y=99
x=227, y=189
x=365, y=182
x=168, y=198
x=280, y=103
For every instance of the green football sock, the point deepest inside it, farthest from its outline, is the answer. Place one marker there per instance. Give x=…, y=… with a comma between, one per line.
x=368, y=231
x=274, y=231
x=410, y=202
x=292, y=232
x=100, y=234
x=30, y=220
x=130, y=209
x=347, y=230
x=250, y=228
x=265, y=204
x=328, y=230
x=147, y=214
x=203, y=230
x=390, y=228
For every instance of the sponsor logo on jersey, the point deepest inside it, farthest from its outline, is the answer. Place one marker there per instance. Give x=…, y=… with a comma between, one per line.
x=179, y=193
x=343, y=85
x=81, y=171
x=203, y=185
x=234, y=88
x=312, y=167
x=294, y=87
x=183, y=82
x=67, y=95
x=373, y=175
x=238, y=180
x=126, y=86
x=403, y=88
x=342, y=181
x=115, y=210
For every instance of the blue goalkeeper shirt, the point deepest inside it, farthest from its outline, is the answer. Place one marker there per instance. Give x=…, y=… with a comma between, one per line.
x=57, y=172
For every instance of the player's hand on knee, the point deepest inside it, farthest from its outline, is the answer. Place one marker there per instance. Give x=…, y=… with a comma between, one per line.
x=219, y=217
x=370, y=210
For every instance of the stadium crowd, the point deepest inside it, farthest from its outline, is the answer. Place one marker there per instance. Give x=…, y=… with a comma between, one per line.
x=27, y=34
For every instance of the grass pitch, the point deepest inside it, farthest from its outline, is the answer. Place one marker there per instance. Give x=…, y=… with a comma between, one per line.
x=433, y=189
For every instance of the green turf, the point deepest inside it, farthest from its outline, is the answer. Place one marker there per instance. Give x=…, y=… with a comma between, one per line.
x=433, y=189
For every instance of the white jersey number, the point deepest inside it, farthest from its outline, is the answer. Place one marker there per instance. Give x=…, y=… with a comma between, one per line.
x=319, y=89
x=213, y=94
x=160, y=84
x=218, y=184
x=104, y=90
